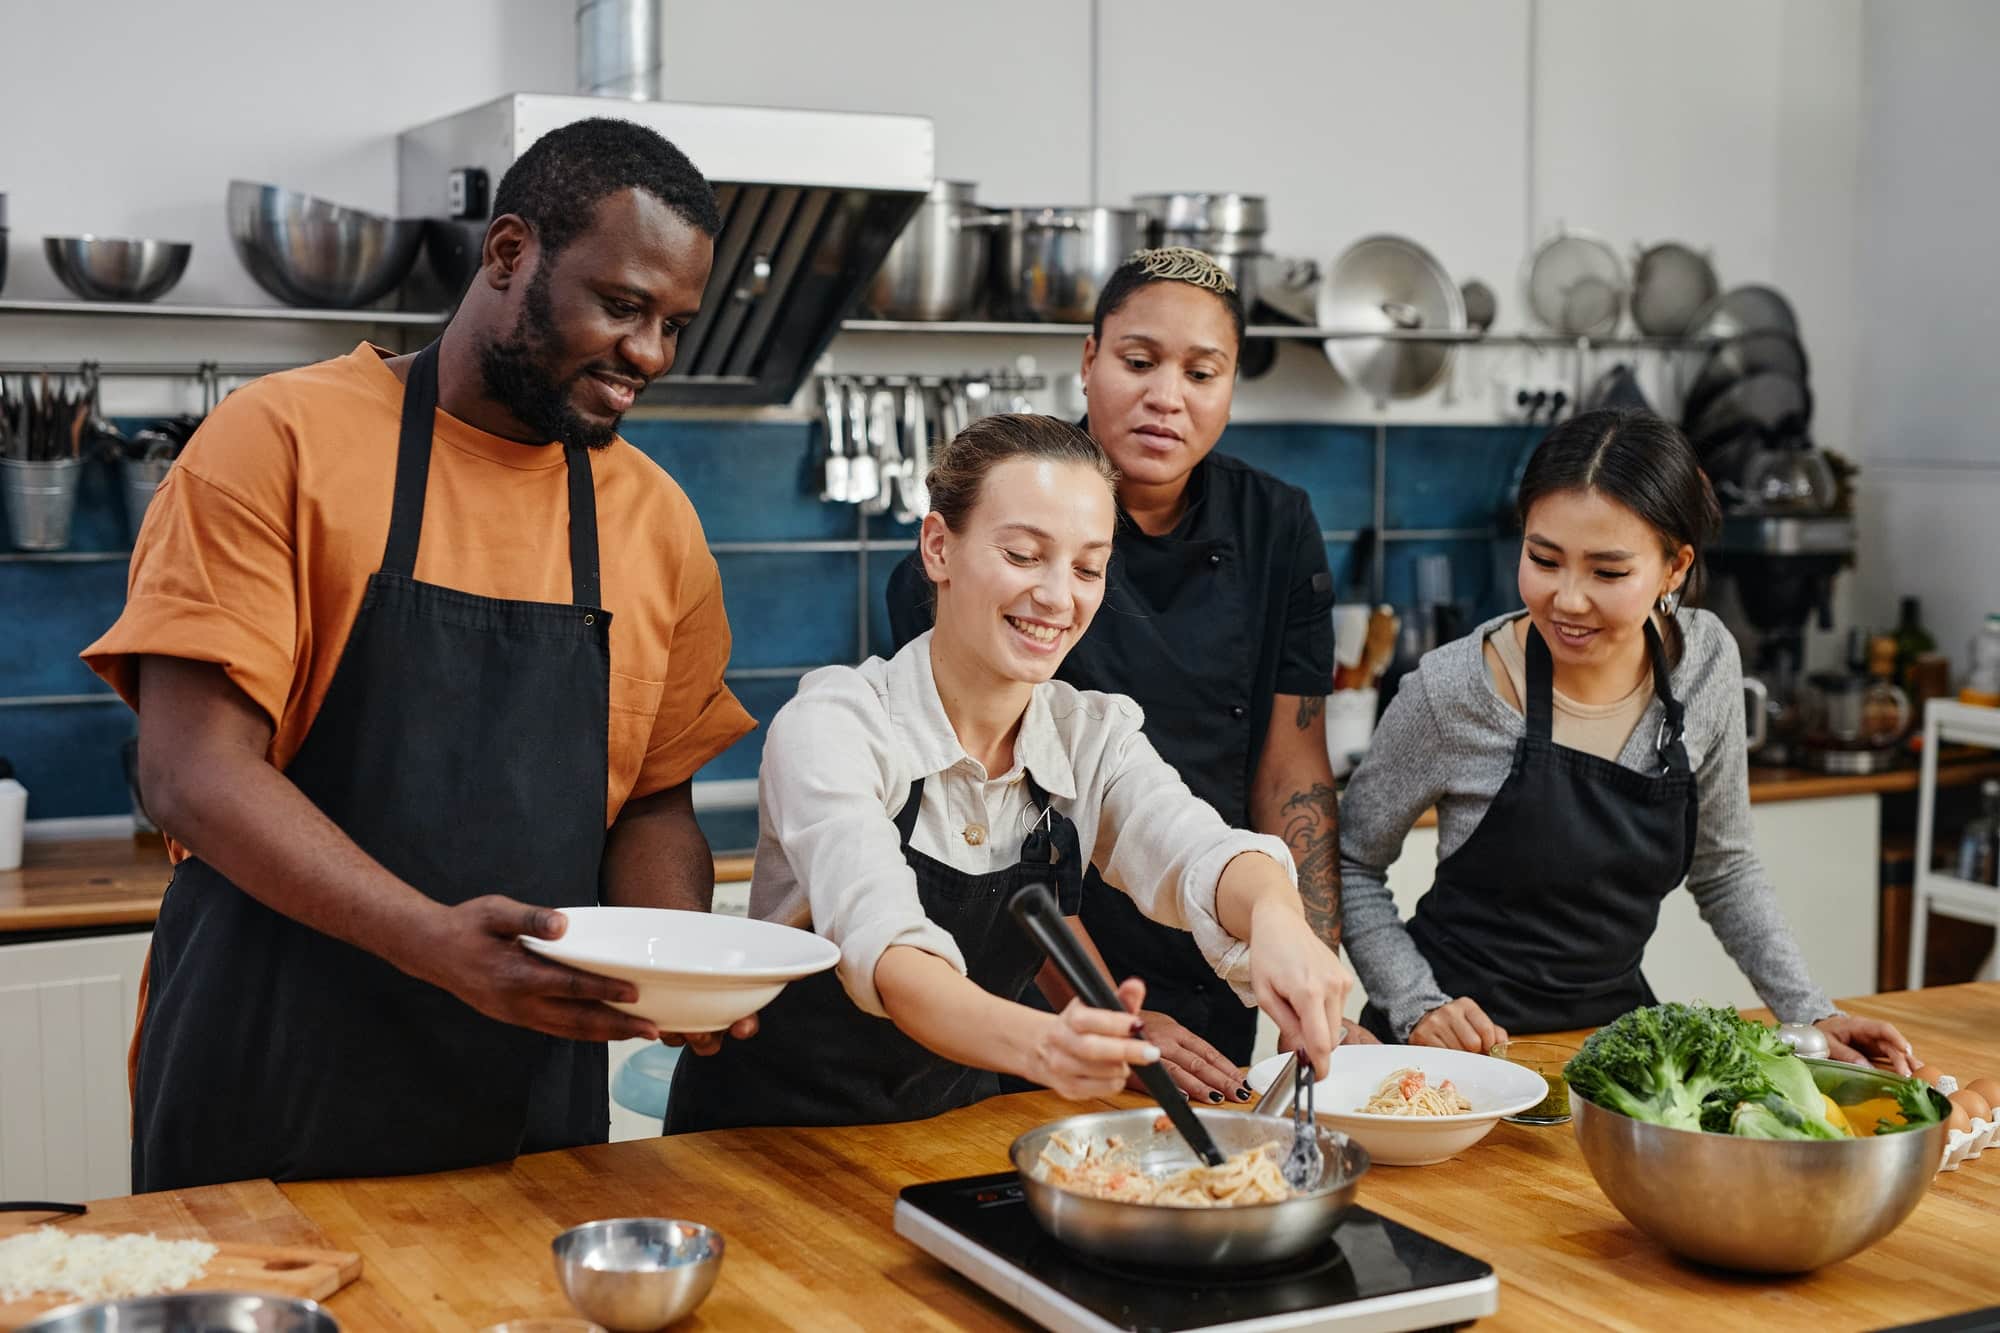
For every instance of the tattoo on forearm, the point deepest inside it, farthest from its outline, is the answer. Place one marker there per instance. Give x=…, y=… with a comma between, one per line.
x=1310, y=707
x=1312, y=830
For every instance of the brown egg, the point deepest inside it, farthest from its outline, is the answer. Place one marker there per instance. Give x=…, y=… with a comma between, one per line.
x=1989, y=1088
x=1930, y=1074
x=1970, y=1102
x=1957, y=1120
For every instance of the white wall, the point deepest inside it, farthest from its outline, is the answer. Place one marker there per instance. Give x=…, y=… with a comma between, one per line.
x=129, y=118
x=1472, y=126
x=1930, y=285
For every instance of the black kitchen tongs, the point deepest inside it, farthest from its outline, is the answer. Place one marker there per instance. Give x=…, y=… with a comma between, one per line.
x=1035, y=908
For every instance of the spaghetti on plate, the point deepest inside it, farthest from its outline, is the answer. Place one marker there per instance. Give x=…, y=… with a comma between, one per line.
x=1408, y=1092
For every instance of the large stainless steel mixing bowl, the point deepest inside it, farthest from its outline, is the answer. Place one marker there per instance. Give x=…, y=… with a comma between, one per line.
x=110, y=268
x=1152, y=1234
x=308, y=252
x=190, y=1312
x=1756, y=1205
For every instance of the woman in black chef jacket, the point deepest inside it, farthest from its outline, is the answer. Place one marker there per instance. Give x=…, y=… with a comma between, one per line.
x=1217, y=622
x=1585, y=757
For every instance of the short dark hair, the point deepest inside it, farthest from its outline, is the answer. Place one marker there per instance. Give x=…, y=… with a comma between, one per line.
x=1141, y=270
x=1643, y=463
x=556, y=185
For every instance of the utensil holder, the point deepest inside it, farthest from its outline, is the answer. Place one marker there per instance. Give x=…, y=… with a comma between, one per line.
x=141, y=477
x=40, y=500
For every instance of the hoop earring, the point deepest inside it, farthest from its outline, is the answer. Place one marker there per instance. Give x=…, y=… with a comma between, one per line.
x=1669, y=602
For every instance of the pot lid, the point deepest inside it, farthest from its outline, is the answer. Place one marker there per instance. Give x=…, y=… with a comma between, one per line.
x=1388, y=282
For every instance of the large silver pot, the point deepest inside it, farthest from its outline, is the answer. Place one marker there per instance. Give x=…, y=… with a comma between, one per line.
x=1227, y=226
x=938, y=266
x=1757, y=1205
x=1051, y=262
x=1253, y=1234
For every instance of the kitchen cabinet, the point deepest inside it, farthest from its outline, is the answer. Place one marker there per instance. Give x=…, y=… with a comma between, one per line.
x=66, y=1009
x=1822, y=856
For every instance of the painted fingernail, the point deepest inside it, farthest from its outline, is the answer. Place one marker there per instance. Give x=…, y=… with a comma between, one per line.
x=1152, y=1054
x=1214, y=1096
x=1243, y=1094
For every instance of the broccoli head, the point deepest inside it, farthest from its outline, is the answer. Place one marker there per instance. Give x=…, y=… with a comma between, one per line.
x=1672, y=1064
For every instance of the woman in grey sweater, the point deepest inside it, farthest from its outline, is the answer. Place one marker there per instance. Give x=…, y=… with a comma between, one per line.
x=1584, y=759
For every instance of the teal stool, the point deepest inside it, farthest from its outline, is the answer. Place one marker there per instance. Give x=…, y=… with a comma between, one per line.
x=643, y=1081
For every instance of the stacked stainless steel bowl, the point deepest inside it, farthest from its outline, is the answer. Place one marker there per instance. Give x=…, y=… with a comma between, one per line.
x=1227, y=226
x=308, y=252
x=109, y=268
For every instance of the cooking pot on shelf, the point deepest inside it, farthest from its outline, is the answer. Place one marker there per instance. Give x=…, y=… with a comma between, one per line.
x=938, y=266
x=1227, y=226
x=1050, y=263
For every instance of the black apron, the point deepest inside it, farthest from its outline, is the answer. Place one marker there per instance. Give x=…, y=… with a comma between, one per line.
x=462, y=744
x=1543, y=914
x=818, y=1060
x=1179, y=624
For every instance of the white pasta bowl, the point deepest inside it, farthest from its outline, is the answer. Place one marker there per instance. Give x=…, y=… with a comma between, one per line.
x=696, y=971
x=1494, y=1087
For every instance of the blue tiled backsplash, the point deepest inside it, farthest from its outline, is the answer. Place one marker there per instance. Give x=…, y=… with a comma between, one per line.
x=787, y=608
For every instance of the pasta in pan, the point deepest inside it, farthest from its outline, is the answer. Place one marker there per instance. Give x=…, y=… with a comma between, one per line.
x=1408, y=1092
x=1110, y=1169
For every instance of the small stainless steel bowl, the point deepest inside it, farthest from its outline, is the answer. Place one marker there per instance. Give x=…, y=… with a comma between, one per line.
x=111, y=268
x=190, y=1312
x=308, y=252
x=1756, y=1205
x=633, y=1274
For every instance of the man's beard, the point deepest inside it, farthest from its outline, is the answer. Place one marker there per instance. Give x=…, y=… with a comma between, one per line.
x=515, y=370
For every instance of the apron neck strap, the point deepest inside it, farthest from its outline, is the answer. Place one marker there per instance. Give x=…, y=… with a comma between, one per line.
x=1540, y=703
x=413, y=471
x=1673, y=720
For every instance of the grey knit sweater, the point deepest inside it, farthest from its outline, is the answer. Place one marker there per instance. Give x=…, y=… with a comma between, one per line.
x=1447, y=740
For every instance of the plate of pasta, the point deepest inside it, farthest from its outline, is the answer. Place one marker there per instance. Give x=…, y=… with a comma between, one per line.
x=1414, y=1105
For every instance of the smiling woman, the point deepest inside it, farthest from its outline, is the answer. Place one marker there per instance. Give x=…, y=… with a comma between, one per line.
x=903, y=803
x=1585, y=759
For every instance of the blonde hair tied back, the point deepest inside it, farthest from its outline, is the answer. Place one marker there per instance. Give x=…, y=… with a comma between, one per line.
x=1180, y=263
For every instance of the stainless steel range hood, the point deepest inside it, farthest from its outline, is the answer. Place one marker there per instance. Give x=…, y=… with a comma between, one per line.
x=811, y=202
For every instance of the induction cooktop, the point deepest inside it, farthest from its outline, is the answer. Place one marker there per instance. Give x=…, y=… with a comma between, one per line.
x=1372, y=1275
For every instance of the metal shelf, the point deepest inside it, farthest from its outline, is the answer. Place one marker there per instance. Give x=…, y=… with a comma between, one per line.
x=1470, y=337
x=288, y=314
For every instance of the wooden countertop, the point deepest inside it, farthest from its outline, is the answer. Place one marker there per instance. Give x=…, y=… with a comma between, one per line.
x=103, y=883
x=807, y=1216
x=93, y=883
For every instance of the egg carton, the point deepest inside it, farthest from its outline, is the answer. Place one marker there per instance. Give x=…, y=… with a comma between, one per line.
x=1961, y=1145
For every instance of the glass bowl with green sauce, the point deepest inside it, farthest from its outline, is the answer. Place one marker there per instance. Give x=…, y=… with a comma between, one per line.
x=1545, y=1058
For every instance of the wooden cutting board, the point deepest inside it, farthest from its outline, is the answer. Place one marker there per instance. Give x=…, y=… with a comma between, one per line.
x=272, y=1270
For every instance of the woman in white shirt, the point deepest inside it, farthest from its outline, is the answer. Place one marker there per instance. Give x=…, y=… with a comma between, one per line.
x=903, y=802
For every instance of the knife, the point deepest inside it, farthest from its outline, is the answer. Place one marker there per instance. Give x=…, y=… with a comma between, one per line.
x=1035, y=908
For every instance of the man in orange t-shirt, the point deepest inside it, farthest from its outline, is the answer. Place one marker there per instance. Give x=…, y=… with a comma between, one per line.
x=407, y=635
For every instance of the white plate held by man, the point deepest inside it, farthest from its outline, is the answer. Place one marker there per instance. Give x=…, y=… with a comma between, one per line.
x=696, y=971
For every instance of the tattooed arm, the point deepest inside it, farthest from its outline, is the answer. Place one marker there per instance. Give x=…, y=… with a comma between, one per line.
x=1293, y=798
